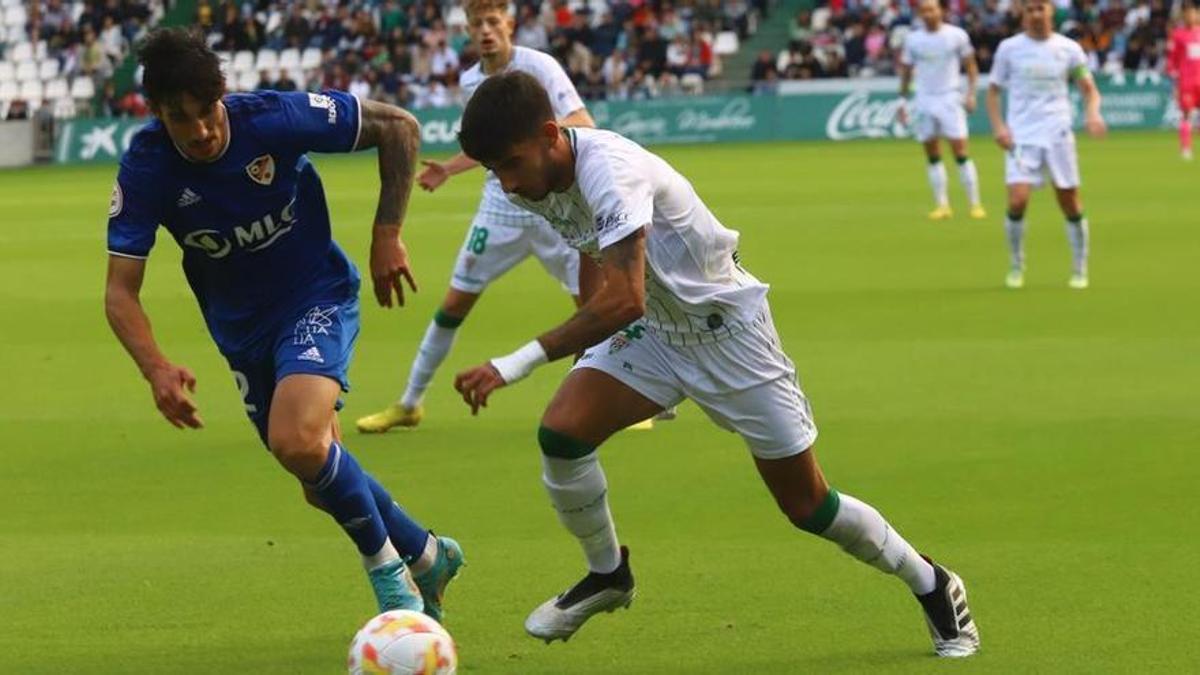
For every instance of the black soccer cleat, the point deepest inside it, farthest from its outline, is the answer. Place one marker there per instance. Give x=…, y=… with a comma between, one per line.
x=559, y=617
x=947, y=615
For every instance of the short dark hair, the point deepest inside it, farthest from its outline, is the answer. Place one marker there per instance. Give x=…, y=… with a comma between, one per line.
x=177, y=61
x=505, y=110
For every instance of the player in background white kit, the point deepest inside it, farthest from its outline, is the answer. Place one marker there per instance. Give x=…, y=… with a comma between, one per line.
x=501, y=235
x=1035, y=67
x=669, y=313
x=936, y=51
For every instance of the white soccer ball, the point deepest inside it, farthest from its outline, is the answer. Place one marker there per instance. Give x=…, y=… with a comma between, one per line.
x=402, y=642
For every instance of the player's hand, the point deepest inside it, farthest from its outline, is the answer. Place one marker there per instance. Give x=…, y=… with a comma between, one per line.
x=389, y=265
x=171, y=385
x=1095, y=126
x=433, y=175
x=477, y=384
x=1003, y=137
x=902, y=114
x=969, y=104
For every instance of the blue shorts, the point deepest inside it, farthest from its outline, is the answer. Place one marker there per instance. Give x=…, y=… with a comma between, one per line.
x=319, y=340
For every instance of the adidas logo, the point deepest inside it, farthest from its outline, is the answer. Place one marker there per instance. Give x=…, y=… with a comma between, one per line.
x=187, y=198
x=311, y=354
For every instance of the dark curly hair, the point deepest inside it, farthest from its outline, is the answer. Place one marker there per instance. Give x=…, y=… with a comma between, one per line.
x=177, y=61
x=505, y=110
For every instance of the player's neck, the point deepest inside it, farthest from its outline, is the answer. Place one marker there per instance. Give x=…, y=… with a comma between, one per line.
x=1038, y=35
x=564, y=159
x=494, y=63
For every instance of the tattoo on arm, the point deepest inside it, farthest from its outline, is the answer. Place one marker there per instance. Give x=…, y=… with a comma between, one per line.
x=397, y=135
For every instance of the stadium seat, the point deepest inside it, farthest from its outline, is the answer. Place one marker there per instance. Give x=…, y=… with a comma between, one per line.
x=27, y=71
x=289, y=58
x=22, y=51
x=8, y=91
x=243, y=61
x=267, y=59
x=457, y=16
x=48, y=70
x=820, y=19
x=247, y=81
x=311, y=58
x=57, y=88
x=9, y=3
x=32, y=92
x=692, y=83
x=726, y=43
x=15, y=17
x=7, y=72
x=64, y=108
x=83, y=87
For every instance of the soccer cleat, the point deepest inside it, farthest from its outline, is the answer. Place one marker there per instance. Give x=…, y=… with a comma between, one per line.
x=559, y=617
x=1186, y=155
x=667, y=414
x=395, y=415
x=947, y=615
x=1078, y=282
x=433, y=581
x=394, y=587
x=942, y=212
x=645, y=425
x=977, y=212
x=1015, y=279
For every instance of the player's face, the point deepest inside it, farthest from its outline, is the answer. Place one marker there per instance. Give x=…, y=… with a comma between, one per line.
x=931, y=13
x=528, y=169
x=1039, y=17
x=490, y=31
x=198, y=129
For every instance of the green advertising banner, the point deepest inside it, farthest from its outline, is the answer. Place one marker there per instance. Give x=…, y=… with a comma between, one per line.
x=839, y=111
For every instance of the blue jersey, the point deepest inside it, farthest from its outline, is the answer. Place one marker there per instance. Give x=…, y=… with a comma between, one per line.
x=253, y=224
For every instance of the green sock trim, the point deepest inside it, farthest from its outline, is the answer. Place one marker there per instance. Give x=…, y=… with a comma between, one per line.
x=562, y=446
x=1077, y=219
x=934, y=160
x=820, y=520
x=962, y=160
x=444, y=320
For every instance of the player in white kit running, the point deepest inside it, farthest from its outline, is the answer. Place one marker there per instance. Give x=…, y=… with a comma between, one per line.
x=669, y=314
x=1035, y=67
x=935, y=52
x=501, y=235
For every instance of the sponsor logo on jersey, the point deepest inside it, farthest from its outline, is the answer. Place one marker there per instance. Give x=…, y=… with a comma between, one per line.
x=116, y=202
x=261, y=170
x=311, y=354
x=187, y=198
x=324, y=103
x=611, y=220
x=252, y=237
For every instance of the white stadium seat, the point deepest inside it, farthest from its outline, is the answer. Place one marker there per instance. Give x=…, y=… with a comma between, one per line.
x=57, y=88
x=9, y=3
x=289, y=59
x=83, y=87
x=48, y=70
x=8, y=91
x=243, y=61
x=27, y=71
x=726, y=44
x=64, y=108
x=247, y=81
x=41, y=51
x=22, y=51
x=8, y=73
x=311, y=58
x=457, y=16
x=268, y=59
x=15, y=17
x=32, y=92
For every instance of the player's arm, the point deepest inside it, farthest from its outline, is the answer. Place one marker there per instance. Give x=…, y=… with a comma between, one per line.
x=905, y=68
x=397, y=136
x=1000, y=130
x=591, y=278
x=1092, y=120
x=972, y=69
x=170, y=383
x=618, y=302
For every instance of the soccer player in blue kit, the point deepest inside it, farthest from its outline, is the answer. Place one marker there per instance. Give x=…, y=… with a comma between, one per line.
x=227, y=176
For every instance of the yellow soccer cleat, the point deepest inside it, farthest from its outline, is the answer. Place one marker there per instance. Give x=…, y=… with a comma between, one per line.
x=1078, y=282
x=395, y=415
x=645, y=425
x=977, y=212
x=1015, y=279
x=941, y=213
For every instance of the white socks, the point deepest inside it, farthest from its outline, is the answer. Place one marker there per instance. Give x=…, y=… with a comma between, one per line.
x=384, y=556
x=1077, y=234
x=864, y=534
x=579, y=492
x=1014, y=230
x=937, y=181
x=434, y=348
x=970, y=180
x=428, y=556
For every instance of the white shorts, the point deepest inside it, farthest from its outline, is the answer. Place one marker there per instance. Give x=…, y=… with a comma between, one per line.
x=1029, y=163
x=745, y=383
x=492, y=249
x=942, y=117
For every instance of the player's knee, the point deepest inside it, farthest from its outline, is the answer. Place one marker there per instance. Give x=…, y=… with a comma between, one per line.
x=298, y=448
x=562, y=446
x=800, y=508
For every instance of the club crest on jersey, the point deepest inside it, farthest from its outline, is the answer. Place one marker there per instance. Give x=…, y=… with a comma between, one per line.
x=116, y=202
x=262, y=170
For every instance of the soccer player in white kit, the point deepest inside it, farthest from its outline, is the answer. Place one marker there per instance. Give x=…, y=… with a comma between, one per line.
x=501, y=234
x=936, y=53
x=668, y=314
x=1035, y=67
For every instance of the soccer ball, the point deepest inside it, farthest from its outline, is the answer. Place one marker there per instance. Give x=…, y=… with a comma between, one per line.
x=402, y=642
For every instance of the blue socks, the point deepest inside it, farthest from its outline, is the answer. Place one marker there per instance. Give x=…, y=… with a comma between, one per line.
x=346, y=491
x=407, y=535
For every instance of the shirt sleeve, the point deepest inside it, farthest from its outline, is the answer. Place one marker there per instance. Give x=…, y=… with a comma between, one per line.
x=620, y=196
x=1076, y=59
x=326, y=122
x=563, y=97
x=964, y=47
x=134, y=213
x=1001, y=70
x=906, y=55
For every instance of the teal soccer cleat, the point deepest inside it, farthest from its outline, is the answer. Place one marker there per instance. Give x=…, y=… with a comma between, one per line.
x=394, y=587
x=434, y=580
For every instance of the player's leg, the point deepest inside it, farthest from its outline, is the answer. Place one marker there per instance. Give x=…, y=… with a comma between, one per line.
x=598, y=398
x=1022, y=174
x=1187, y=102
x=967, y=173
x=1063, y=162
x=935, y=171
x=489, y=251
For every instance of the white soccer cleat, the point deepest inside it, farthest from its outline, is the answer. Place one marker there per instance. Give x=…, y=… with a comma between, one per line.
x=559, y=617
x=946, y=614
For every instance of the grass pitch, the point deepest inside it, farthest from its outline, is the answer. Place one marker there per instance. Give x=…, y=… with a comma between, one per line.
x=1041, y=442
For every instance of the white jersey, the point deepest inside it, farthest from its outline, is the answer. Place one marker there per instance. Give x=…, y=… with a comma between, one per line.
x=936, y=58
x=696, y=292
x=1036, y=73
x=495, y=207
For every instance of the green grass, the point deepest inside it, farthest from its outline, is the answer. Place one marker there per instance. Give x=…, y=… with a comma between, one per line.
x=1042, y=442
